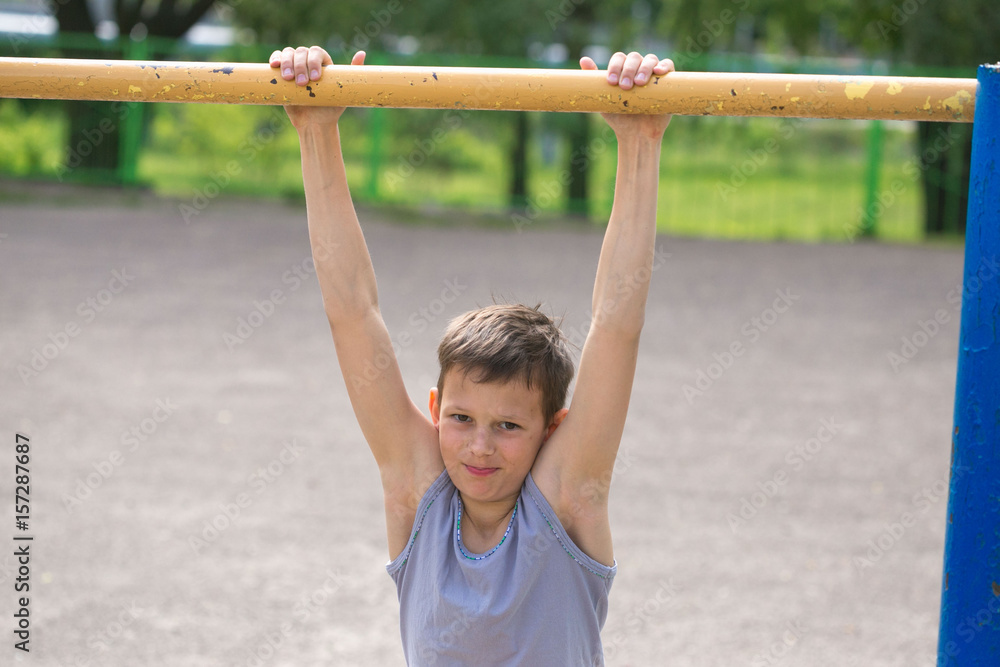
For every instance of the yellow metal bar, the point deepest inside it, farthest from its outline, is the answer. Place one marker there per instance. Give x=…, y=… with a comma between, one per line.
x=685, y=93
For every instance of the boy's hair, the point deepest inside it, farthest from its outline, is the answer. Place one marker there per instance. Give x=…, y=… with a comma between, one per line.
x=505, y=342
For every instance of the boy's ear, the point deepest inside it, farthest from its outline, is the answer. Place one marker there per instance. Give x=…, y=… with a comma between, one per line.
x=557, y=419
x=434, y=406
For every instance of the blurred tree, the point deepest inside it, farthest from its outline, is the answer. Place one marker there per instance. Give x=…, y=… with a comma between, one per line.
x=573, y=25
x=498, y=29
x=164, y=18
x=330, y=24
x=923, y=33
x=806, y=27
x=960, y=33
x=94, y=126
x=512, y=28
x=442, y=26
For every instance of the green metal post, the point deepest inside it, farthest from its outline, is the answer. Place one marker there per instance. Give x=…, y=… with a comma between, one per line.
x=873, y=207
x=376, y=131
x=130, y=129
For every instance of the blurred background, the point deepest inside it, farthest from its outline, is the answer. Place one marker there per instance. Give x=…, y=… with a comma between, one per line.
x=93, y=191
x=811, y=180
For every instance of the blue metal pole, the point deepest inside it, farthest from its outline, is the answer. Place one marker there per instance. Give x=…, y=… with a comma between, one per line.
x=970, y=591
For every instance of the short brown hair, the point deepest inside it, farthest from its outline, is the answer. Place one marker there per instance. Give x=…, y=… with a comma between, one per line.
x=505, y=342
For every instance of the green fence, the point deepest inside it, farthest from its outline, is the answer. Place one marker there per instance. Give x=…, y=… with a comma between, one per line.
x=722, y=177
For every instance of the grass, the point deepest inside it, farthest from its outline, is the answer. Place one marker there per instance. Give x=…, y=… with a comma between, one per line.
x=720, y=177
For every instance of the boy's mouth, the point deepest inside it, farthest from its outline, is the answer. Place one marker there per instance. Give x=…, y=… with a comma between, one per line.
x=480, y=472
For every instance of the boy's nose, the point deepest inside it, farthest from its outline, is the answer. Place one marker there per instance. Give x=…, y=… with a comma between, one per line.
x=481, y=442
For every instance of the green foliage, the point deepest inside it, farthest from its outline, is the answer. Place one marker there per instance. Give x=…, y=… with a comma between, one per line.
x=491, y=28
x=30, y=144
x=242, y=149
x=166, y=19
x=728, y=177
x=806, y=188
x=957, y=33
x=766, y=179
x=443, y=26
x=295, y=21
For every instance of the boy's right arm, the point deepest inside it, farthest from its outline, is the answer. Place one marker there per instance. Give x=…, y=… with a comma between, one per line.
x=402, y=439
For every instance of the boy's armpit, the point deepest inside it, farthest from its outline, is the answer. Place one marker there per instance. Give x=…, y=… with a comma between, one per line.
x=402, y=494
x=582, y=511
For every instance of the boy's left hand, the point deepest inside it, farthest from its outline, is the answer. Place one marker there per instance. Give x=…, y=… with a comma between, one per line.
x=626, y=71
x=304, y=66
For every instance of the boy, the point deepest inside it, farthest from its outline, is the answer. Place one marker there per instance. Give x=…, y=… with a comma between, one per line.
x=477, y=495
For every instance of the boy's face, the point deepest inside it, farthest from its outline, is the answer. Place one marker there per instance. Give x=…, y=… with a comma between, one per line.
x=490, y=434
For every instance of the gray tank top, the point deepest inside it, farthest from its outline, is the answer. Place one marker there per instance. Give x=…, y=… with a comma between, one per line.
x=535, y=599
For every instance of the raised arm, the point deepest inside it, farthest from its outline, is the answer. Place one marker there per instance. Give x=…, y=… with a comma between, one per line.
x=402, y=440
x=578, y=459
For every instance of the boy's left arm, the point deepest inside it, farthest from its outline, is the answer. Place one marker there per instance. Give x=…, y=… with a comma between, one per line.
x=579, y=457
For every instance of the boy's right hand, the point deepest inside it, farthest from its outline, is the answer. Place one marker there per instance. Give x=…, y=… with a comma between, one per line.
x=304, y=65
x=626, y=71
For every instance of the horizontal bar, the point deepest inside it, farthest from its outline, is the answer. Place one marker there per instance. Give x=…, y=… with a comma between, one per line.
x=684, y=93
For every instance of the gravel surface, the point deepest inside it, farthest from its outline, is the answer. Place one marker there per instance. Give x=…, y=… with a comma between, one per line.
x=780, y=495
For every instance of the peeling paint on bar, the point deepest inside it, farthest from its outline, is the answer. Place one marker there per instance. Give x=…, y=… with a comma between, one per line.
x=683, y=93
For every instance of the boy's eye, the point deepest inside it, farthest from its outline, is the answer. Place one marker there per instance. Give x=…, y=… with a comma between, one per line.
x=508, y=426
x=461, y=418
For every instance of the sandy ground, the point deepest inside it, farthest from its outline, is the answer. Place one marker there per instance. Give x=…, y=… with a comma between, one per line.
x=184, y=376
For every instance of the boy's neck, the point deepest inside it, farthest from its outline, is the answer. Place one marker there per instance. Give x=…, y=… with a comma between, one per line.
x=482, y=521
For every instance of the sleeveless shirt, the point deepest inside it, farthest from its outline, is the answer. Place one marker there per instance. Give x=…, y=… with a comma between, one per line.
x=534, y=599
